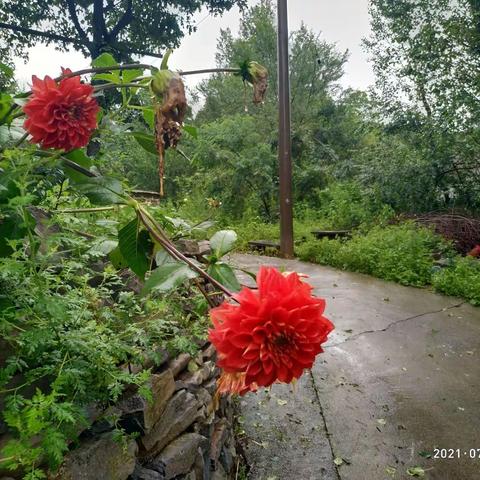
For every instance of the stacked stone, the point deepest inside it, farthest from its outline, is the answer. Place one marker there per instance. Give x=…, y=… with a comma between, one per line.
x=182, y=434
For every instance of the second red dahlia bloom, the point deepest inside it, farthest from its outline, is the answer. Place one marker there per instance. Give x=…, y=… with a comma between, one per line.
x=61, y=115
x=273, y=334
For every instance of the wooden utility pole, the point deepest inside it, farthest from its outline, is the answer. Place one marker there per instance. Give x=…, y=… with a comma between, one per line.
x=284, y=143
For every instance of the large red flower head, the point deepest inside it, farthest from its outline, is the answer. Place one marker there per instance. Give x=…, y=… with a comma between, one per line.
x=62, y=114
x=273, y=334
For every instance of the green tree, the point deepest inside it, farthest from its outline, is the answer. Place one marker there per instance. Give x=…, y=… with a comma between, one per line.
x=427, y=53
x=122, y=27
x=319, y=108
x=426, y=56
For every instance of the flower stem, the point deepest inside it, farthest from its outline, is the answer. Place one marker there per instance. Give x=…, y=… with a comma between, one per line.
x=109, y=86
x=127, y=66
x=210, y=70
x=157, y=233
x=21, y=140
x=88, y=210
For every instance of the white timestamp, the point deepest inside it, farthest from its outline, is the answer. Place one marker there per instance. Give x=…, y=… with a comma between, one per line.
x=446, y=453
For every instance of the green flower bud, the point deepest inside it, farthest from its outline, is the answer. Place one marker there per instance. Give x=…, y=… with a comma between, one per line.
x=160, y=82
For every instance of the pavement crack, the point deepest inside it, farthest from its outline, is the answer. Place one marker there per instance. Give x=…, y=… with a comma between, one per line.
x=325, y=426
x=396, y=322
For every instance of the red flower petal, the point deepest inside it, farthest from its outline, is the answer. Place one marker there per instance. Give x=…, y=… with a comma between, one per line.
x=273, y=333
x=61, y=115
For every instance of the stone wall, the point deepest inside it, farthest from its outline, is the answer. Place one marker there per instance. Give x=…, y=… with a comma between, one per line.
x=182, y=434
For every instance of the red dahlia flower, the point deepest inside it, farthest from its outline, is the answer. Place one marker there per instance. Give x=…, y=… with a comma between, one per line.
x=273, y=334
x=62, y=114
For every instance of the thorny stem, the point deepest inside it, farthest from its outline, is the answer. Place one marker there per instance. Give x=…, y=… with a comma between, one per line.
x=157, y=233
x=127, y=66
x=110, y=86
x=21, y=140
x=209, y=300
x=210, y=70
x=88, y=210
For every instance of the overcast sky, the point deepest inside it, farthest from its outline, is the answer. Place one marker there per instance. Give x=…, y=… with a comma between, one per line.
x=344, y=22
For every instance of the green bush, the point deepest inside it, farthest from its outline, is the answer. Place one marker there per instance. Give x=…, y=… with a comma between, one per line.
x=401, y=253
x=346, y=205
x=462, y=280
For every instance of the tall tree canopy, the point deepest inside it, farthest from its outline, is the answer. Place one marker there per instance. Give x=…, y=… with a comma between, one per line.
x=121, y=27
x=428, y=53
x=241, y=147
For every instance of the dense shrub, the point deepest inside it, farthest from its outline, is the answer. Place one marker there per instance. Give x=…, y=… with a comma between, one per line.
x=462, y=280
x=402, y=253
x=346, y=205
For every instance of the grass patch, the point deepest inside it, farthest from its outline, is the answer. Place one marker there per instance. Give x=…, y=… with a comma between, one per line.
x=460, y=280
x=400, y=253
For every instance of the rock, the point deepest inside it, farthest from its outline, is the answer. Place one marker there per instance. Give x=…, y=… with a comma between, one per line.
x=219, y=474
x=142, y=473
x=217, y=441
x=227, y=458
x=209, y=352
x=180, y=412
x=211, y=386
x=193, y=247
x=190, y=476
x=178, y=364
x=102, y=457
x=153, y=360
x=194, y=379
x=203, y=396
x=136, y=409
x=199, y=358
x=178, y=457
x=204, y=247
x=188, y=246
x=202, y=471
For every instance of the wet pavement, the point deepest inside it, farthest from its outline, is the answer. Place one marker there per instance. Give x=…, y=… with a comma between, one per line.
x=400, y=378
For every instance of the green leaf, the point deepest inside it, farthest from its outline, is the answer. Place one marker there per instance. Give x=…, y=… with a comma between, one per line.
x=416, y=472
x=129, y=75
x=5, y=104
x=104, y=60
x=163, y=258
x=11, y=228
x=113, y=77
x=225, y=275
x=165, y=59
x=80, y=157
x=146, y=141
x=117, y=259
x=149, y=117
x=191, y=130
x=104, y=247
x=425, y=454
x=102, y=190
x=135, y=247
x=168, y=277
x=222, y=242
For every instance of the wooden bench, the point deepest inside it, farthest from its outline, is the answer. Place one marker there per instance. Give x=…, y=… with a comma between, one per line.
x=262, y=245
x=331, y=234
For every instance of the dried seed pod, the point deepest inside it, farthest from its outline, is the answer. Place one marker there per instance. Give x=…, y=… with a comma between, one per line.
x=170, y=111
x=259, y=79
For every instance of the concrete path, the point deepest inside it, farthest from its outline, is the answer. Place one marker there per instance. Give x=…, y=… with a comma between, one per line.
x=400, y=377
